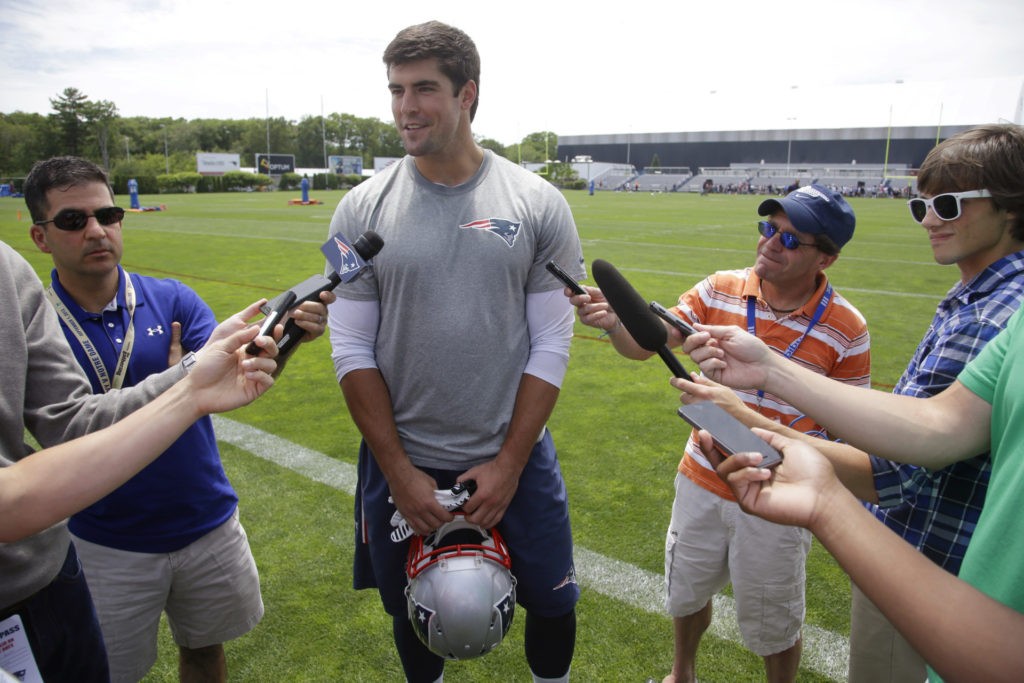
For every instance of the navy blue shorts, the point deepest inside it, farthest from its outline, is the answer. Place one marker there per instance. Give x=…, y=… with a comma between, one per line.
x=62, y=628
x=535, y=527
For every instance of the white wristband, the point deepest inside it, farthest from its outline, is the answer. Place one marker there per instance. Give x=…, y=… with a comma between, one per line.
x=187, y=361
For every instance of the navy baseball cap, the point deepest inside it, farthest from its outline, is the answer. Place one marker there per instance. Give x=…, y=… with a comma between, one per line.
x=816, y=210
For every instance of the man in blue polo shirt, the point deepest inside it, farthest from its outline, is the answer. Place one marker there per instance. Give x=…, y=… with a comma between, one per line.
x=169, y=539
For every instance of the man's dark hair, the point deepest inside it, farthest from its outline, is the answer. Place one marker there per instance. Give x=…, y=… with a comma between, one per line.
x=62, y=173
x=454, y=51
x=989, y=158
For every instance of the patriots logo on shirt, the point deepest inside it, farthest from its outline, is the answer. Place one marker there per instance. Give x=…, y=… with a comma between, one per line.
x=502, y=227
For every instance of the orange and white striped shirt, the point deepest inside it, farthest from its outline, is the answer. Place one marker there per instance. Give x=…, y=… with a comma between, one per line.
x=838, y=346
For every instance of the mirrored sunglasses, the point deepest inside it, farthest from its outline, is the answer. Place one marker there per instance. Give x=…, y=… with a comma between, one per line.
x=946, y=206
x=788, y=239
x=76, y=219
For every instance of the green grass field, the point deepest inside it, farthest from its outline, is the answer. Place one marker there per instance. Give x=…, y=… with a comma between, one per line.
x=615, y=426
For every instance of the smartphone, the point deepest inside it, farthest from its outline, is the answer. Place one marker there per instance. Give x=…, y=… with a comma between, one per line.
x=557, y=271
x=731, y=436
x=673, y=319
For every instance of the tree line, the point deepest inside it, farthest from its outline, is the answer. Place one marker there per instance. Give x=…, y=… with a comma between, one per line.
x=144, y=146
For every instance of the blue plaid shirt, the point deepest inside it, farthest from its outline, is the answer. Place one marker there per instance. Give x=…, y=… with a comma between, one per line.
x=936, y=510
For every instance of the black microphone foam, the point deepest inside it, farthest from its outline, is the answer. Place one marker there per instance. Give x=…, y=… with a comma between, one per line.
x=368, y=245
x=632, y=309
x=636, y=316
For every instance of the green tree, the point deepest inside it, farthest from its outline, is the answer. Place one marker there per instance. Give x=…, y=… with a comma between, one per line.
x=493, y=145
x=371, y=138
x=101, y=117
x=213, y=135
x=561, y=175
x=339, y=130
x=254, y=138
x=71, y=108
x=128, y=145
x=144, y=147
x=535, y=147
x=24, y=138
x=309, y=138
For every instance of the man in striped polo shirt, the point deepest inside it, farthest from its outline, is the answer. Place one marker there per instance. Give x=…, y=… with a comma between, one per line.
x=786, y=300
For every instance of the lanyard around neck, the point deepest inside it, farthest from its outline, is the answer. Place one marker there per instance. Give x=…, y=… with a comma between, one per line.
x=826, y=297
x=90, y=349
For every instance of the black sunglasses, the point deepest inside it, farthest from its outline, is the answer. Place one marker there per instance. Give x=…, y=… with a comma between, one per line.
x=947, y=206
x=76, y=219
x=788, y=239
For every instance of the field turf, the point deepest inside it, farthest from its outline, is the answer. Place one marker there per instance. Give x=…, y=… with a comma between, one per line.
x=615, y=426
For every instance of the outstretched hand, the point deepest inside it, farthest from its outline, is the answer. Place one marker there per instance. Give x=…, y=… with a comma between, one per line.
x=240, y=321
x=730, y=356
x=224, y=376
x=700, y=388
x=794, y=492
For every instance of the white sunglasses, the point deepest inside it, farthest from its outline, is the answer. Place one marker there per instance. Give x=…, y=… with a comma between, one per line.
x=946, y=206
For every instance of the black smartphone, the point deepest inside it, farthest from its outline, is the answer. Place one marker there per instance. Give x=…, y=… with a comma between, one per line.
x=673, y=319
x=731, y=436
x=557, y=271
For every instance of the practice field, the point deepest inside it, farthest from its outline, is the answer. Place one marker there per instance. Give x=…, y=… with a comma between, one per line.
x=290, y=455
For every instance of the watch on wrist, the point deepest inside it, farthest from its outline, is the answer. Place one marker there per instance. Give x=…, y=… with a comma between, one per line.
x=188, y=360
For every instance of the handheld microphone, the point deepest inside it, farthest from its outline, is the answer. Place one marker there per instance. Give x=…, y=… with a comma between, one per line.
x=635, y=314
x=347, y=267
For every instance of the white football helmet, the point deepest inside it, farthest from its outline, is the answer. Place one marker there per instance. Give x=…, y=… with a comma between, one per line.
x=461, y=593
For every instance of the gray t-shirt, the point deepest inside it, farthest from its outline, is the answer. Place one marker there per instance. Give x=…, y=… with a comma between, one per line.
x=451, y=281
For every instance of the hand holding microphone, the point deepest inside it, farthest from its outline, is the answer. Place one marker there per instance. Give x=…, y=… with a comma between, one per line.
x=643, y=323
x=635, y=314
x=348, y=263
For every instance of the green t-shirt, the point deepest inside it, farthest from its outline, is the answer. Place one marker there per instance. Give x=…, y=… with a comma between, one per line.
x=994, y=562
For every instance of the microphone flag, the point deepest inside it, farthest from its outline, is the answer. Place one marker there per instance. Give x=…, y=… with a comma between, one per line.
x=344, y=259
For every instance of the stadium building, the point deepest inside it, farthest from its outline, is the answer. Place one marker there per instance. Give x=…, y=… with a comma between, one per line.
x=873, y=158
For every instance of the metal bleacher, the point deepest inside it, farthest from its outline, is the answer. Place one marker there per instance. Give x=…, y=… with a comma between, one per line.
x=661, y=179
x=850, y=179
x=611, y=176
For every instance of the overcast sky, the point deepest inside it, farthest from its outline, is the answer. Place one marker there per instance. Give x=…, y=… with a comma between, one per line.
x=569, y=67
